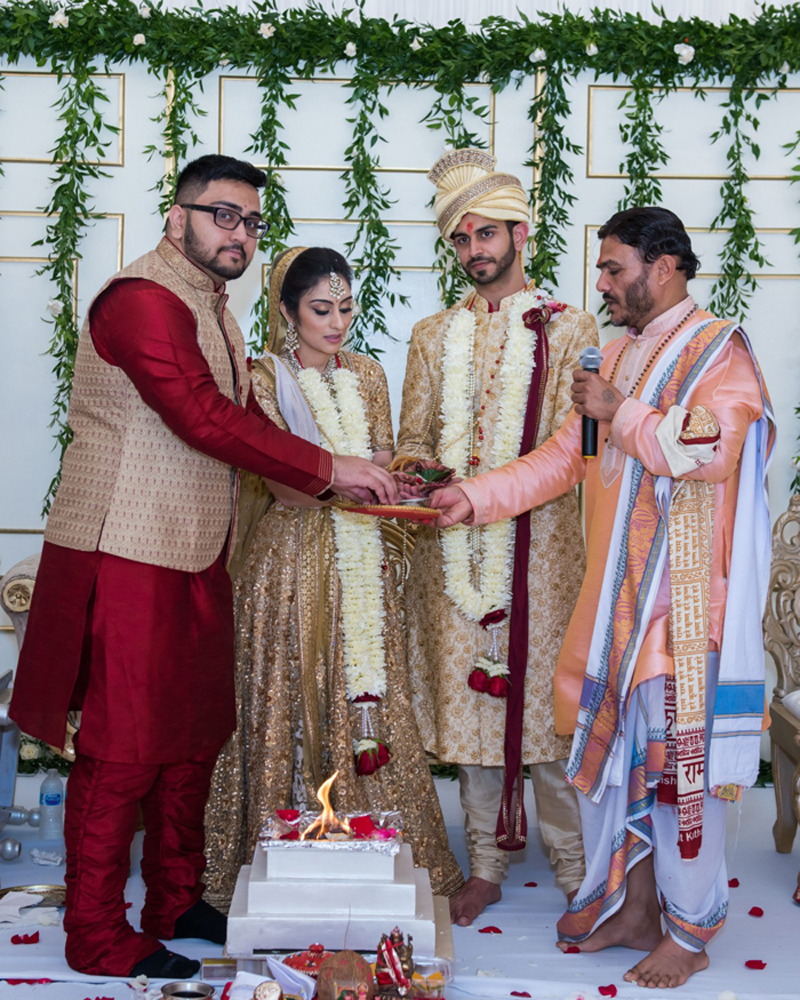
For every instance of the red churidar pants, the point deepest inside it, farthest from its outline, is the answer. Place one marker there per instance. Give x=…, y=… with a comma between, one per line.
x=99, y=824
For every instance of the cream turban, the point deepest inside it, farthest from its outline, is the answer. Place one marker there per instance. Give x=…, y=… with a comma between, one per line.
x=466, y=181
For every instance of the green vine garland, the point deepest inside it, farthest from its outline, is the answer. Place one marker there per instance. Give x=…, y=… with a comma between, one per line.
x=182, y=46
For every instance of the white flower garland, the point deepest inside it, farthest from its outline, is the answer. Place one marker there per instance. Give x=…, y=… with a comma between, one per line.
x=342, y=418
x=494, y=553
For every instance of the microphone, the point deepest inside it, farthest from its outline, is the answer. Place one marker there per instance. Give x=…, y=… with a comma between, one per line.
x=591, y=360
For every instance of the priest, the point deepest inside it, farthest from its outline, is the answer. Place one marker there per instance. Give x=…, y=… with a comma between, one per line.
x=487, y=609
x=661, y=675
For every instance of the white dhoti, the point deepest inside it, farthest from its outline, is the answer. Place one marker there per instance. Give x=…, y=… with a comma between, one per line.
x=556, y=813
x=628, y=824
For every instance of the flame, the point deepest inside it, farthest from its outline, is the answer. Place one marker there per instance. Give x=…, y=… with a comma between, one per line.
x=326, y=823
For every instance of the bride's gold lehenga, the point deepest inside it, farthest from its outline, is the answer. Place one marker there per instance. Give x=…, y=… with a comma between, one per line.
x=295, y=725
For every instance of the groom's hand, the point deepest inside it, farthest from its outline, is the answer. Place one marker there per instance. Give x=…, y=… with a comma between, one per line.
x=453, y=505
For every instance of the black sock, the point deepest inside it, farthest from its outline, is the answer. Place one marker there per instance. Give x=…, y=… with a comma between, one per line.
x=163, y=964
x=202, y=921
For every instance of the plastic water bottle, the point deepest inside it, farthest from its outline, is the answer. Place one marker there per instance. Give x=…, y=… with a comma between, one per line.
x=51, y=806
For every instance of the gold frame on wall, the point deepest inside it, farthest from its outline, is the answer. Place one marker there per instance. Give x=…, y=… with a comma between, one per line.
x=758, y=275
x=662, y=175
x=339, y=168
x=120, y=135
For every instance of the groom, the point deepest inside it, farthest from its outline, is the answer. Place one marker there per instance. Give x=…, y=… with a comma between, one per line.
x=455, y=414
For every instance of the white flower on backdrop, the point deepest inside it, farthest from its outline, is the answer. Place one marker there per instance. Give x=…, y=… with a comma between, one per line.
x=684, y=52
x=59, y=19
x=267, y=30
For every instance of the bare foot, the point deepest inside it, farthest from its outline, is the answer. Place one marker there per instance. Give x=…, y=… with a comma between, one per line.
x=667, y=966
x=634, y=926
x=637, y=923
x=470, y=901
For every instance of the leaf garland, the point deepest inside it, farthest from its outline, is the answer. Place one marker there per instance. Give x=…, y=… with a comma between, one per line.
x=267, y=146
x=372, y=251
x=641, y=132
x=80, y=146
x=178, y=135
x=732, y=291
x=548, y=112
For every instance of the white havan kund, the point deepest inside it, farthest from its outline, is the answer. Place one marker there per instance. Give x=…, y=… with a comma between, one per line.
x=342, y=892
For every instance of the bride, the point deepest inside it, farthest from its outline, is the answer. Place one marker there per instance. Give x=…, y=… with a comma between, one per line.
x=321, y=674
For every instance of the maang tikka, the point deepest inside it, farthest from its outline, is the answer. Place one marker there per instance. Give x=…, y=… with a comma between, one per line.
x=336, y=286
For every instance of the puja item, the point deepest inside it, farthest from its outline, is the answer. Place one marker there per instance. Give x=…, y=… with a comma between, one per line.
x=394, y=965
x=345, y=976
x=52, y=895
x=268, y=991
x=428, y=477
x=309, y=961
x=190, y=989
x=406, y=511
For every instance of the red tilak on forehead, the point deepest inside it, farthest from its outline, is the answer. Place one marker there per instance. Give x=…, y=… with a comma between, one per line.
x=470, y=227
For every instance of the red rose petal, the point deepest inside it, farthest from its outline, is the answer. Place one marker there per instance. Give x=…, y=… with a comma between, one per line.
x=755, y=963
x=572, y=950
x=519, y=993
x=26, y=938
x=128, y=906
x=607, y=991
x=531, y=885
x=490, y=930
x=733, y=883
x=755, y=911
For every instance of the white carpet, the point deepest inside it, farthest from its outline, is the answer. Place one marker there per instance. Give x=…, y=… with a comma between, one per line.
x=524, y=957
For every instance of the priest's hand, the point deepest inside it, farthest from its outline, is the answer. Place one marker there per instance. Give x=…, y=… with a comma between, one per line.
x=594, y=397
x=453, y=506
x=363, y=481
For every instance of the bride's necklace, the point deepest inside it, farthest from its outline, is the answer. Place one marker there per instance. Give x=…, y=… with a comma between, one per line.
x=331, y=365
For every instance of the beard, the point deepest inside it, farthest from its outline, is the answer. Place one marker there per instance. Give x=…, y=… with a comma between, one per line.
x=197, y=252
x=638, y=302
x=496, y=269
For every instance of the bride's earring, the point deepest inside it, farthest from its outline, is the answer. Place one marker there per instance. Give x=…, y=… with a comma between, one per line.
x=292, y=343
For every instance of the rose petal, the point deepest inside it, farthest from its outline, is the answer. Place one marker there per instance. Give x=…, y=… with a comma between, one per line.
x=519, y=993
x=490, y=930
x=733, y=883
x=607, y=991
x=128, y=906
x=26, y=938
x=531, y=885
x=572, y=950
x=755, y=963
x=755, y=911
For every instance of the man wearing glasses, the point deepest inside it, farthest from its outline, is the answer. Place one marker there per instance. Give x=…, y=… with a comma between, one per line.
x=132, y=621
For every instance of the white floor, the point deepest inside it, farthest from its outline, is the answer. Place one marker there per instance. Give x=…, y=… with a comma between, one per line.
x=523, y=959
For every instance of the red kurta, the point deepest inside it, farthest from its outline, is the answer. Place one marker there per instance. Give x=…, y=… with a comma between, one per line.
x=147, y=652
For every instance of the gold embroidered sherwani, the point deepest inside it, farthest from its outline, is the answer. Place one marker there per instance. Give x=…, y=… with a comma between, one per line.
x=458, y=724
x=296, y=726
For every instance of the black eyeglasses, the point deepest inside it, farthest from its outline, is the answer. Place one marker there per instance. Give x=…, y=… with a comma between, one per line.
x=226, y=218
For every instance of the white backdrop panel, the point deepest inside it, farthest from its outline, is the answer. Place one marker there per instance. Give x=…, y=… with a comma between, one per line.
x=317, y=134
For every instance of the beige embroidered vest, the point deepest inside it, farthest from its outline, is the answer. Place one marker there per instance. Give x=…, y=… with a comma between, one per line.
x=129, y=486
